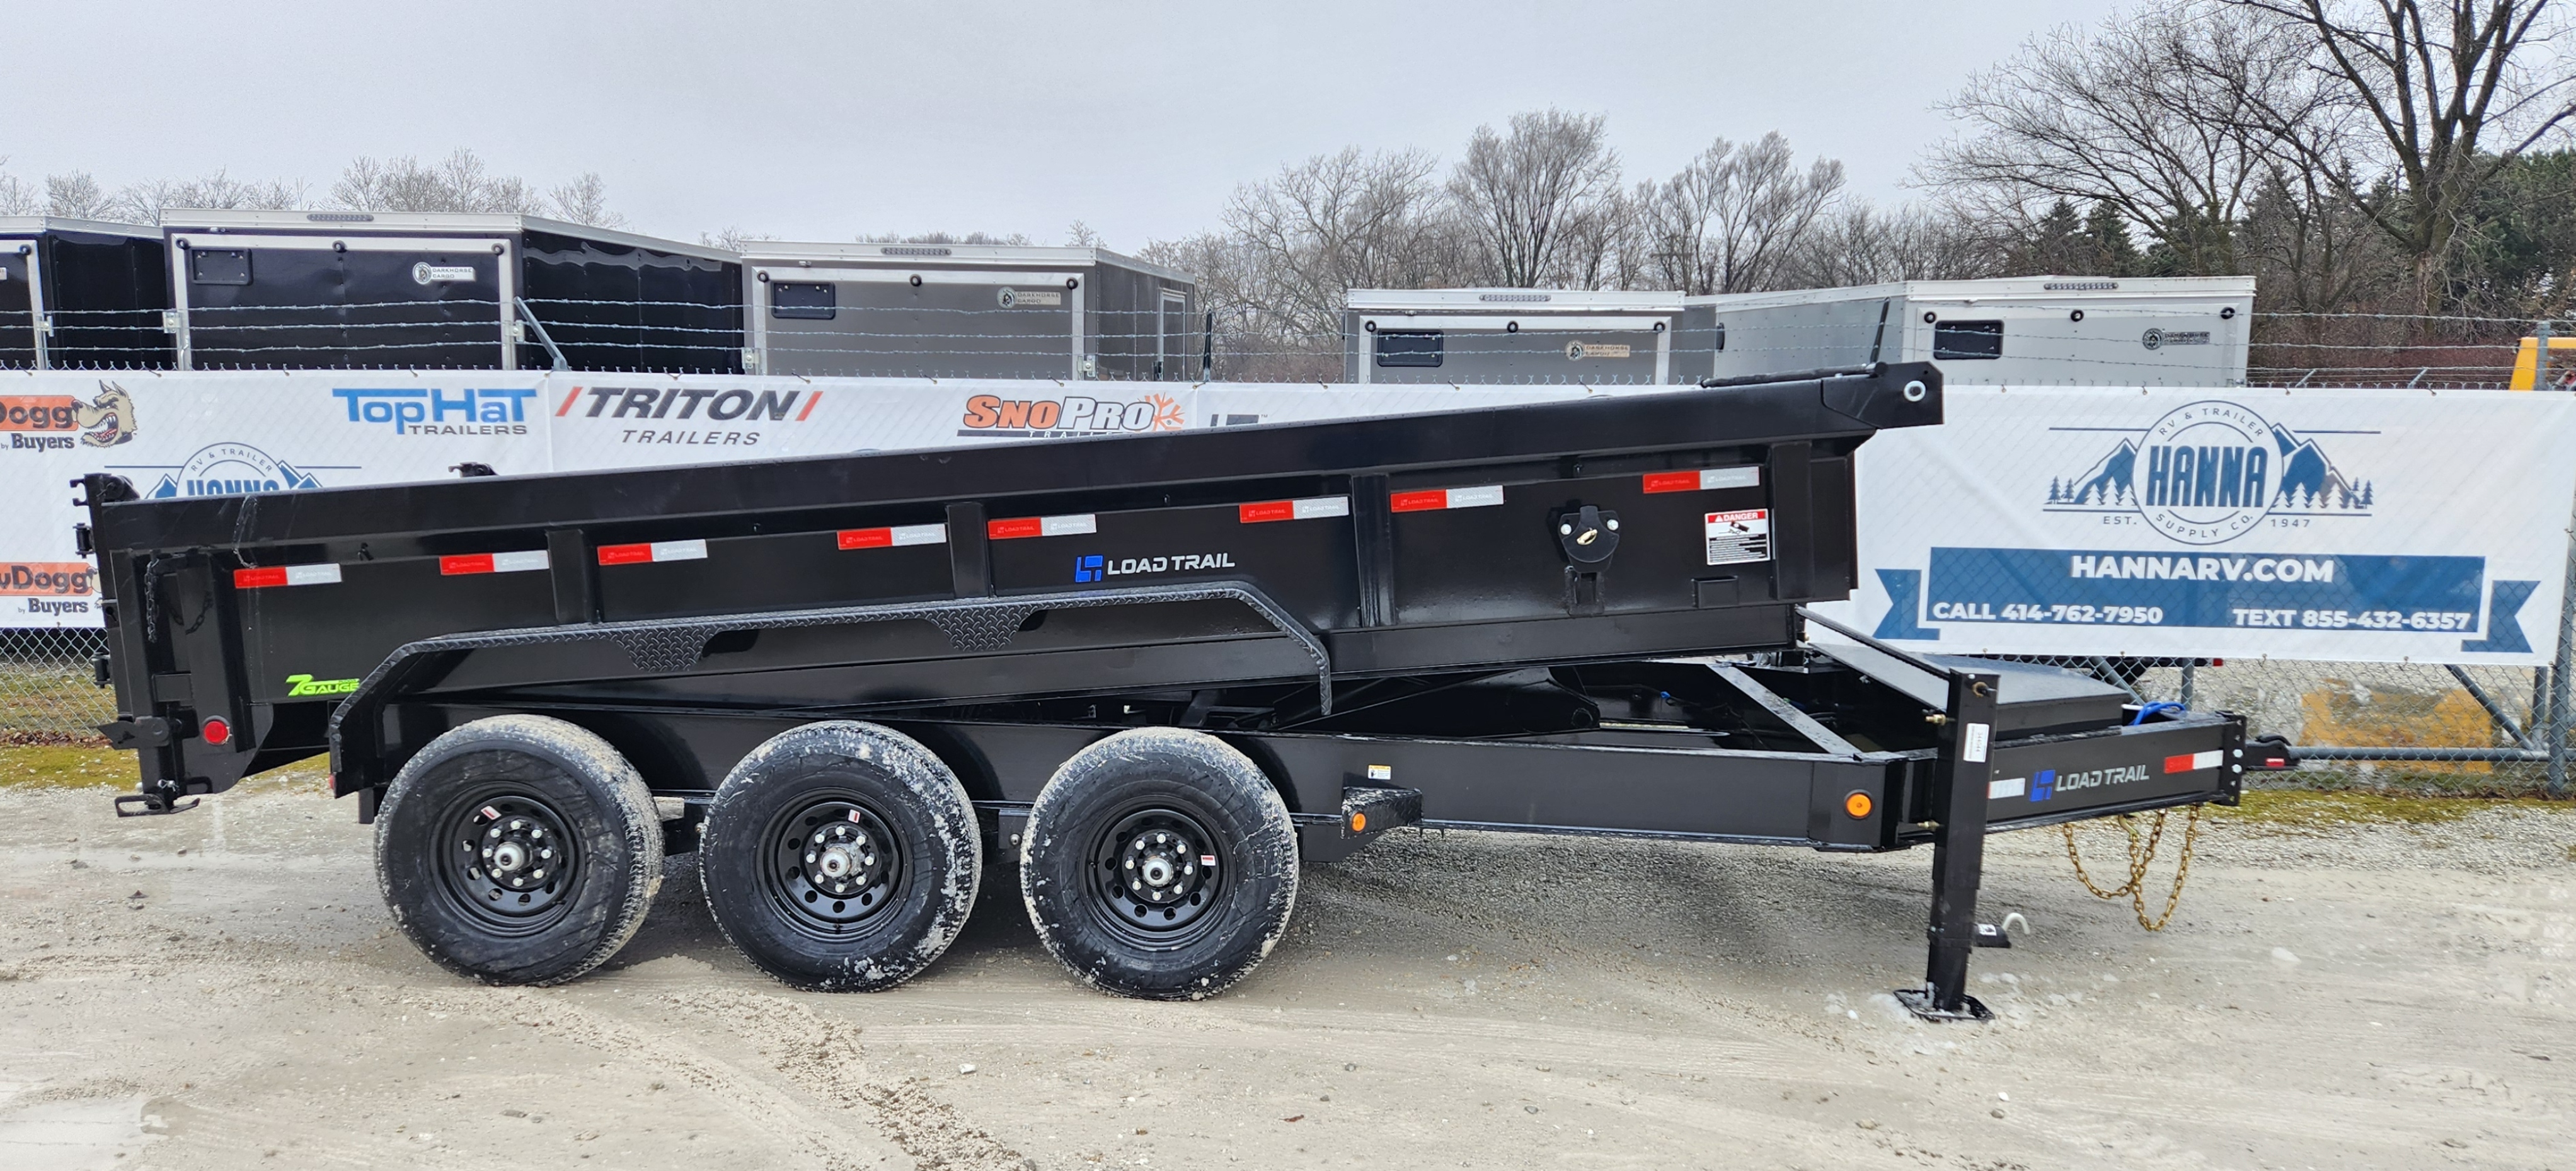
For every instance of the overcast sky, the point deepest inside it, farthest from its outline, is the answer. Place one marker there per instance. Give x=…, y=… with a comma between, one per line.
x=823, y=121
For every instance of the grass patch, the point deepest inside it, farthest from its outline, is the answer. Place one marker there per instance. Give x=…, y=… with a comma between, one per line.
x=73, y=767
x=58, y=767
x=2326, y=809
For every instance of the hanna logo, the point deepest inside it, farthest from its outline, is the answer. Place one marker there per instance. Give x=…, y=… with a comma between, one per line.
x=230, y=469
x=2209, y=472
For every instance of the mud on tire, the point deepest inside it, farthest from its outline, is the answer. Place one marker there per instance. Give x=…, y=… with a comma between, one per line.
x=841, y=857
x=1159, y=863
x=518, y=850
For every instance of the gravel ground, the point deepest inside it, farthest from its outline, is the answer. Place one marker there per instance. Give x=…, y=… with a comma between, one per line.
x=222, y=989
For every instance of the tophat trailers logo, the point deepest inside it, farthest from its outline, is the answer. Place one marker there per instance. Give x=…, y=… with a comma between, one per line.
x=2209, y=472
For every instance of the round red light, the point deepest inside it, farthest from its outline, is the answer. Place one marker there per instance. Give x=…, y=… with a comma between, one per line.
x=216, y=731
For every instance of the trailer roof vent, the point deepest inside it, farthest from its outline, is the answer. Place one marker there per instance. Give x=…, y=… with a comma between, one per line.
x=897, y=250
x=2081, y=286
x=1515, y=298
x=340, y=217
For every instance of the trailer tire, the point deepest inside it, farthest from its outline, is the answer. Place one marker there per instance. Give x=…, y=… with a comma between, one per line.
x=532, y=786
x=1149, y=808
x=841, y=857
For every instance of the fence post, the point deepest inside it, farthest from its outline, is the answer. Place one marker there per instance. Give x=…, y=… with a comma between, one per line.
x=2565, y=660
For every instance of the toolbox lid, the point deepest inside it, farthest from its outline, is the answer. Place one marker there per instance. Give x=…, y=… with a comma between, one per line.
x=2030, y=698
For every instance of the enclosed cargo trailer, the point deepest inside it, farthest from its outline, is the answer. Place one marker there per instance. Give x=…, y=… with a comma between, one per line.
x=970, y=311
x=298, y=290
x=2018, y=331
x=1156, y=671
x=1510, y=336
x=82, y=295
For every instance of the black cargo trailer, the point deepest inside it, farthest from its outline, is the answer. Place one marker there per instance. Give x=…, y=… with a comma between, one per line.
x=970, y=311
x=296, y=290
x=1154, y=671
x=82, y=295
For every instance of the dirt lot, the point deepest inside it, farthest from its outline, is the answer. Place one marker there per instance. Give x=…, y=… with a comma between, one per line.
x=222, y=989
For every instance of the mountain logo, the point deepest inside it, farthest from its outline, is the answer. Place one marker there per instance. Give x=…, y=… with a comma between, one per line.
x=230, y=469
x=2209, y=472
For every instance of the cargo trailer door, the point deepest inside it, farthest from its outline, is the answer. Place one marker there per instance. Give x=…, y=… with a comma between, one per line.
x=320, y=302
x=925, y=323
x=21, y=304
x=1172, y=352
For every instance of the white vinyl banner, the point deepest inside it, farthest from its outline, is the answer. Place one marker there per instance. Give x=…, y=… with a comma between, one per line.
x=2366, y=525
x=215, y=433
x=2343, y=524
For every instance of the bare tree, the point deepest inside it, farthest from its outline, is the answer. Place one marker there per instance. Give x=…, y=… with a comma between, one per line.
x=732, y=239
x=77, y=196
x=1079, y=235
x=1333, y=223
x=144, y=202
x=458, y=183
x=1858, y=244
x=2444, y=99
x=1729, y=221
x=2154, y=113
x=1519, y=191
x=1014, y=240
x=584, y=201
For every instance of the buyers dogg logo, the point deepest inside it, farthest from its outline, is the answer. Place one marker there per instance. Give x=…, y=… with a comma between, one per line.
x=2209, y=472
x=47, y=422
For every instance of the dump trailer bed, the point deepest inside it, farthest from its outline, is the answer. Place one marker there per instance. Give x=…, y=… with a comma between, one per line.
x=1157, y=671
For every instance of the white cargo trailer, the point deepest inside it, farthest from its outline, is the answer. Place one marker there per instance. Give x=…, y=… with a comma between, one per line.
x=2022, y=331
x=969, y=311
x=1509, y=336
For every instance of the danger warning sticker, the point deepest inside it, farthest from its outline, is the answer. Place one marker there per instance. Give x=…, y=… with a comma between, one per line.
x=1736, y=537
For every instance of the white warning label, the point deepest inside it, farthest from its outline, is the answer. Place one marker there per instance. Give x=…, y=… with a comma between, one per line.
x=1735, y=537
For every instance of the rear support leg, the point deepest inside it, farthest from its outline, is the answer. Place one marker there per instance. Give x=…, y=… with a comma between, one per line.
x=1958, y=854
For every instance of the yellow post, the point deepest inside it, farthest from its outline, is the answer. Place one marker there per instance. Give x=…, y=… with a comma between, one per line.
x=2526, y=362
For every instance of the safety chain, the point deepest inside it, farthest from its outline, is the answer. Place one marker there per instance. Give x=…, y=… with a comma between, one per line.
x=2140, y=855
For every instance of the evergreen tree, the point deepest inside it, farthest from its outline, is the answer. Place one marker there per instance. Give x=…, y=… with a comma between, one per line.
x=2107, y=236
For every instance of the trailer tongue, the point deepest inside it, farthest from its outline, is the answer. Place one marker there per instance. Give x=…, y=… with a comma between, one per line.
x=1156, y=671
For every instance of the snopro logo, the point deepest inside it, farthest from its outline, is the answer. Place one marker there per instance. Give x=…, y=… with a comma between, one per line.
x=2209, y=472
x=306, y=686
x=1073, y=414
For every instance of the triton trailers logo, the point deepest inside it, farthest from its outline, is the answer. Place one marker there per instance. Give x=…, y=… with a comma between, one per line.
x=677, y=415
x=1073, y=414
x=2209, y=472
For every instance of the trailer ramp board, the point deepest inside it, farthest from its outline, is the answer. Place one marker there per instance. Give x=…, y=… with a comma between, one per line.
x=1449, y=620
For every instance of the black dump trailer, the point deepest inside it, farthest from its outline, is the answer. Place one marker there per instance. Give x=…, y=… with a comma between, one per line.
x=306, y=290
x=82, y=295
x=1154, y=673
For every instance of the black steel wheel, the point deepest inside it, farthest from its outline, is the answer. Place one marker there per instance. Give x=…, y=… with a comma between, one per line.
x=1159, y=863
x=841, y=857
x=518, y=850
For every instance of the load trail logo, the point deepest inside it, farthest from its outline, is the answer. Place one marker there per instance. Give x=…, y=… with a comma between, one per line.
x=1091, y=567
x=1073, y=414
x=2209, y=472
x=47, y=422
